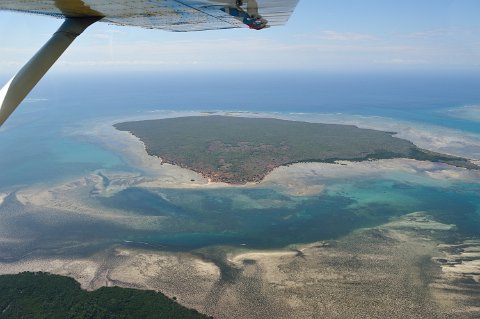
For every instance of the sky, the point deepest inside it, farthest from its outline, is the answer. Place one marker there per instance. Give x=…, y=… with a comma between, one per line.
x=326, y=35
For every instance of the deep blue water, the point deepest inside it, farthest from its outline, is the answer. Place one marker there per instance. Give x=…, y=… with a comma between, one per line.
x=412, y=96
x=401, y=95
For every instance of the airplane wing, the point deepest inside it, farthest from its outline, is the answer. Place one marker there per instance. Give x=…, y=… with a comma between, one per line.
x=170, y=15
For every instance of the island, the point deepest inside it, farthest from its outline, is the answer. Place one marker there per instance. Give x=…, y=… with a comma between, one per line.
x=239, y=150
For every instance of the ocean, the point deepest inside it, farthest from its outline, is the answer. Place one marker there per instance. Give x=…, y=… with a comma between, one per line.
x=39, y=147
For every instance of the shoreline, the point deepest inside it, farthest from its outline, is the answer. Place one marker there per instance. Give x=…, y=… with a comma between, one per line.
x=156, y=166
x=288, y=179
x=134, y=151
x=203, y=151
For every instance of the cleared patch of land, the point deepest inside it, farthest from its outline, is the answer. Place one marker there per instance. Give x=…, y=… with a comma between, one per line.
x=238, y=150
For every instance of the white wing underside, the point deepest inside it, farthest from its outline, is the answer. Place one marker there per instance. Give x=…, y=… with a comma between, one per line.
x=170, y=15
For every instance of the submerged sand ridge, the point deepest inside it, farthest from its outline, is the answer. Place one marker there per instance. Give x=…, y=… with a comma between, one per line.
x=391, y=271
x=2, y=197
x=238, y=150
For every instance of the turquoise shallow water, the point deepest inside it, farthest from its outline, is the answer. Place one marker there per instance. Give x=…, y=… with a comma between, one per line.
x=37, y=148
x=199, y=218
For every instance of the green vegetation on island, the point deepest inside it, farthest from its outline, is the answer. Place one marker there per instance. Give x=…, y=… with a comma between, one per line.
x=238, y=150
x=42, y=295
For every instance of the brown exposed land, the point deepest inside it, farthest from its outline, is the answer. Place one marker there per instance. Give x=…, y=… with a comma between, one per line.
x=239, y=150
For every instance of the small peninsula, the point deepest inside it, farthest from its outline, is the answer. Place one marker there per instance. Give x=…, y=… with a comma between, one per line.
x=238, y=150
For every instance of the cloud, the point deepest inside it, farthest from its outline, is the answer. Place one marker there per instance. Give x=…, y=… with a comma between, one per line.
x=102, y=36
x=313, y=50
x=265, y=53
x=345, y=36
x=400, y=61
x=428, y=34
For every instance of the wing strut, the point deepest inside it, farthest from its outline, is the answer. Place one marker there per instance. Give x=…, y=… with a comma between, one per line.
x=13, y=93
